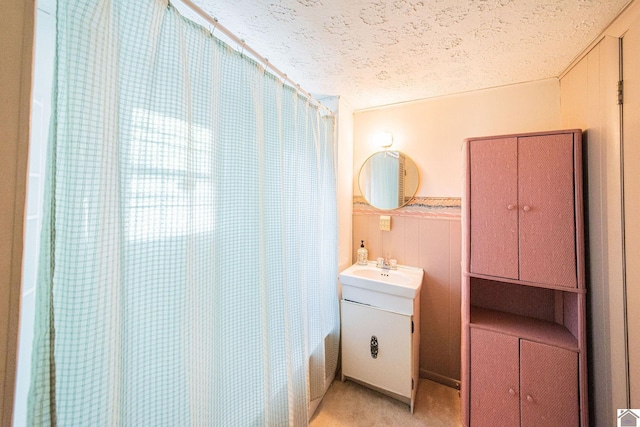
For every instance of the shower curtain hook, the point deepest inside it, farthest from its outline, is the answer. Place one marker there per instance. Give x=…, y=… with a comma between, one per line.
x=242, y=50
x=213, y=29
x=266, y=65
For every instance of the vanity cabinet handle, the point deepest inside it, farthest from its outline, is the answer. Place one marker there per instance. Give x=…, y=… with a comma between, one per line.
x=374, y=346
x=512, y=392
x=526, y=208
x=529, y=398
x=511, y=207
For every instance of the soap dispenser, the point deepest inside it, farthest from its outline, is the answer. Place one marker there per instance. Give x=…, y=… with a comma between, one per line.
x=363, y=254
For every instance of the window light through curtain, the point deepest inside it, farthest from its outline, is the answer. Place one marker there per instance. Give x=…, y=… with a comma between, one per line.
x=188, y=271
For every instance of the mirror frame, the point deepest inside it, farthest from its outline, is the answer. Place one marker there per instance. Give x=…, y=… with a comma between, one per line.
x=408, y=200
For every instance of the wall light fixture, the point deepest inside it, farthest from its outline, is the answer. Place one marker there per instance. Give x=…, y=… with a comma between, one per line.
x=383, y=139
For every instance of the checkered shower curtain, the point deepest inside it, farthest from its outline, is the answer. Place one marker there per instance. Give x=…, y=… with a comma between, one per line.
x=189, y=263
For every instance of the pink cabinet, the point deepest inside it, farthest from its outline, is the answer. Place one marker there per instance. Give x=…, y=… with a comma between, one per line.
x=523, y=293
x=520, y=382
x=522, y=199
x=494, y=379
x=493, y=168
x=548, y=385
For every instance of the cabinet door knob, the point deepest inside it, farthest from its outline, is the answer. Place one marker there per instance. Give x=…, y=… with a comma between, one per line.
x=526, y=209
x=529, y=398
x=512, y=392
x=510, y=207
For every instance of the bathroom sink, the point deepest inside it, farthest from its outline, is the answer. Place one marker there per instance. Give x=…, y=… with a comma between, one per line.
x=388, y=289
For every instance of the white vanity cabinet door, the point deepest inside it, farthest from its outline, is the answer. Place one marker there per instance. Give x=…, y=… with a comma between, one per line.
x=391, y=368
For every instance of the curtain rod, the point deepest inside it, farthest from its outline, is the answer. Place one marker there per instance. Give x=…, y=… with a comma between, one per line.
x=268, y=65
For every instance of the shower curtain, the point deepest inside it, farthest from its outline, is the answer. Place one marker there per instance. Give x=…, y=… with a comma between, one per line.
x=188, y=271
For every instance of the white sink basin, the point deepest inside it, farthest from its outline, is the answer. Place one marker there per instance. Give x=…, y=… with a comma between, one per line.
x=389, y=289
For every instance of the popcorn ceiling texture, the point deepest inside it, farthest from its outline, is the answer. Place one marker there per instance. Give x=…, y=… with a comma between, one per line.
x=379, y=52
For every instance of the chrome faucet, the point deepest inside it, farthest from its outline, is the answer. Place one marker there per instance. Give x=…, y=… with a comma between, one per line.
x=387, y=263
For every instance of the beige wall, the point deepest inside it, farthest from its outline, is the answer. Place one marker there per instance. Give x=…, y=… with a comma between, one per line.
x=588, y=101
x=344, y=171
x=16, y=39
x=631, y=149
x=431, y=131
x=344, y=183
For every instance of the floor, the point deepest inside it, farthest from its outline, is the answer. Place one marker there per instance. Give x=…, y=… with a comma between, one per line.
x=350, y=404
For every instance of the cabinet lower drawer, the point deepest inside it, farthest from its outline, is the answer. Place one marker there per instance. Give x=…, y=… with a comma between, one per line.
x=376, y=347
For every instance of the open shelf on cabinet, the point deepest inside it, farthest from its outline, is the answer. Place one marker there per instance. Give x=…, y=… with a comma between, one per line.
x=531, y=284
x=525, y=327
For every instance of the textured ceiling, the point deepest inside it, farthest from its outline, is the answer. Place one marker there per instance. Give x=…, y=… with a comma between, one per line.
x=379, y=52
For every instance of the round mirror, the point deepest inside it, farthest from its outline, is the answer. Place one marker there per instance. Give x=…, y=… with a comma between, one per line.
x=388, y=179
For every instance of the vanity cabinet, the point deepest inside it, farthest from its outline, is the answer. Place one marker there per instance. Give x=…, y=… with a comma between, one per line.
x=523, y=287
x=380, y=322
x=377, y=347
